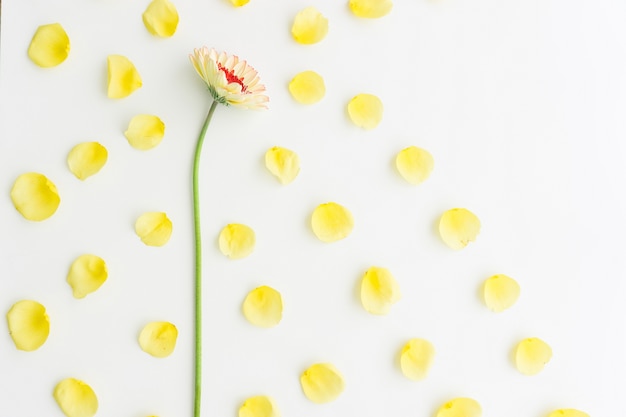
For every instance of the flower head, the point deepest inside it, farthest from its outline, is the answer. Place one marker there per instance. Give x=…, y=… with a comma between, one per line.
x=231, y=81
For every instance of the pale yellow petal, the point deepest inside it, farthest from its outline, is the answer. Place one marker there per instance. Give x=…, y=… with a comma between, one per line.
x=76, y=398
x=122, y=77
x=500, y=292
x=365, y=110
x=283, y=163
x=158, y=338
x=414, y=164
x=259, y=406
x=379, y=291
x=458, y=227
x=416, y=359
x=531, y=355
x=154, y=228
x=86, y=159
x=322, y=383
x=239, y=3
x=568, y=412
x=29, y=325
x=145, y=131
x=460, y=407
x=237, y=241
x=86, y=275
x=370, y=9
x=309, y=26
x=161, y=18
x=35, y=196
x=263, y=307
x=50, y=45
x=331, y=222
x=307, y=87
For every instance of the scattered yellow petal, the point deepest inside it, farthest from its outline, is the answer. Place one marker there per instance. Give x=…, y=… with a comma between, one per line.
x=283, y=163
x=307, y=87
x=161, y=18
x=365, y=110
x=500, y=292
x=322, y=383
x=379, y=290
x=154, y=228
x=414, y=164
x=86, y=159
x=29, y=325
x=416, y=358
x=371, y=9
x=531, y=355
x=460, y=407
x=458, y=227
x=76, y=398
x=568, y=412
x=122, y=78
x=331, y=222
x=145, y=131
x=309, y=26
x=239, y=3
x=35, y=196
x=86, y=275
x=237, y=241
x=50, y=45
x=158, y=338
x=263, y=307
x=259, y=406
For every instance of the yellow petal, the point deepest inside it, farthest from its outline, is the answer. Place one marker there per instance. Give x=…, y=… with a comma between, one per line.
x=309, y=26
x=531, y=355
x=86, y=159
x=86, y=275
x=365, y=110
x=322, y=383
x=29, y=325
x=371, y=9
x=145, y=131
x=161, y=18
x=237, y=241
x=76, y=398
x=414, y=164
x=460, y=407
x=123, y=77
x=239, y=3
x=263, y=307
x=158, y=338
x=568, y=412
x=283, y=163
x=154, y=228
x=35, y=196
x=416, y=358
x=500, y=292
x=379, y=291
x=331, y=222
x=50, y=45
x=458, y=227
x=307, y=87
x=259, y=406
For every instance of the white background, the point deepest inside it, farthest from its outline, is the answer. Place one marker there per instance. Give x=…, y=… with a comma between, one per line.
x=522, y=105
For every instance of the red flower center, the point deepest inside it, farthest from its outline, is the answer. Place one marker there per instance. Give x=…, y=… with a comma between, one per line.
x=231, y=77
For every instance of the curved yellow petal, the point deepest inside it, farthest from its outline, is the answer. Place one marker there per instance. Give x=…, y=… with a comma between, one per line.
x=309, y=26
x=500, y=292
x=379, y=291
x=158, y=338
x=568, y=412
x=416, y=358
x=259, y=406
x=35, y=196
x=458, y=227
x=371, y=9
x=365, y=110
x=50, y=45
x=29, y=325
x=283, y=163
x=531, y=355
x=460, y=407
x=307, y=87
x=331, y=222
x=414, y=164
x=76, y=398
x=154, y=228
x=263, y=307
x=86, y=159
x=86, y=275
x=161, y=18
x=122, y=77
x=322, y=383
x=239, y=3
x=145, y=131
x=237, y=241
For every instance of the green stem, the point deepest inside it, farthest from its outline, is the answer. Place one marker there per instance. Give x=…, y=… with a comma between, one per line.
x=198, y=289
